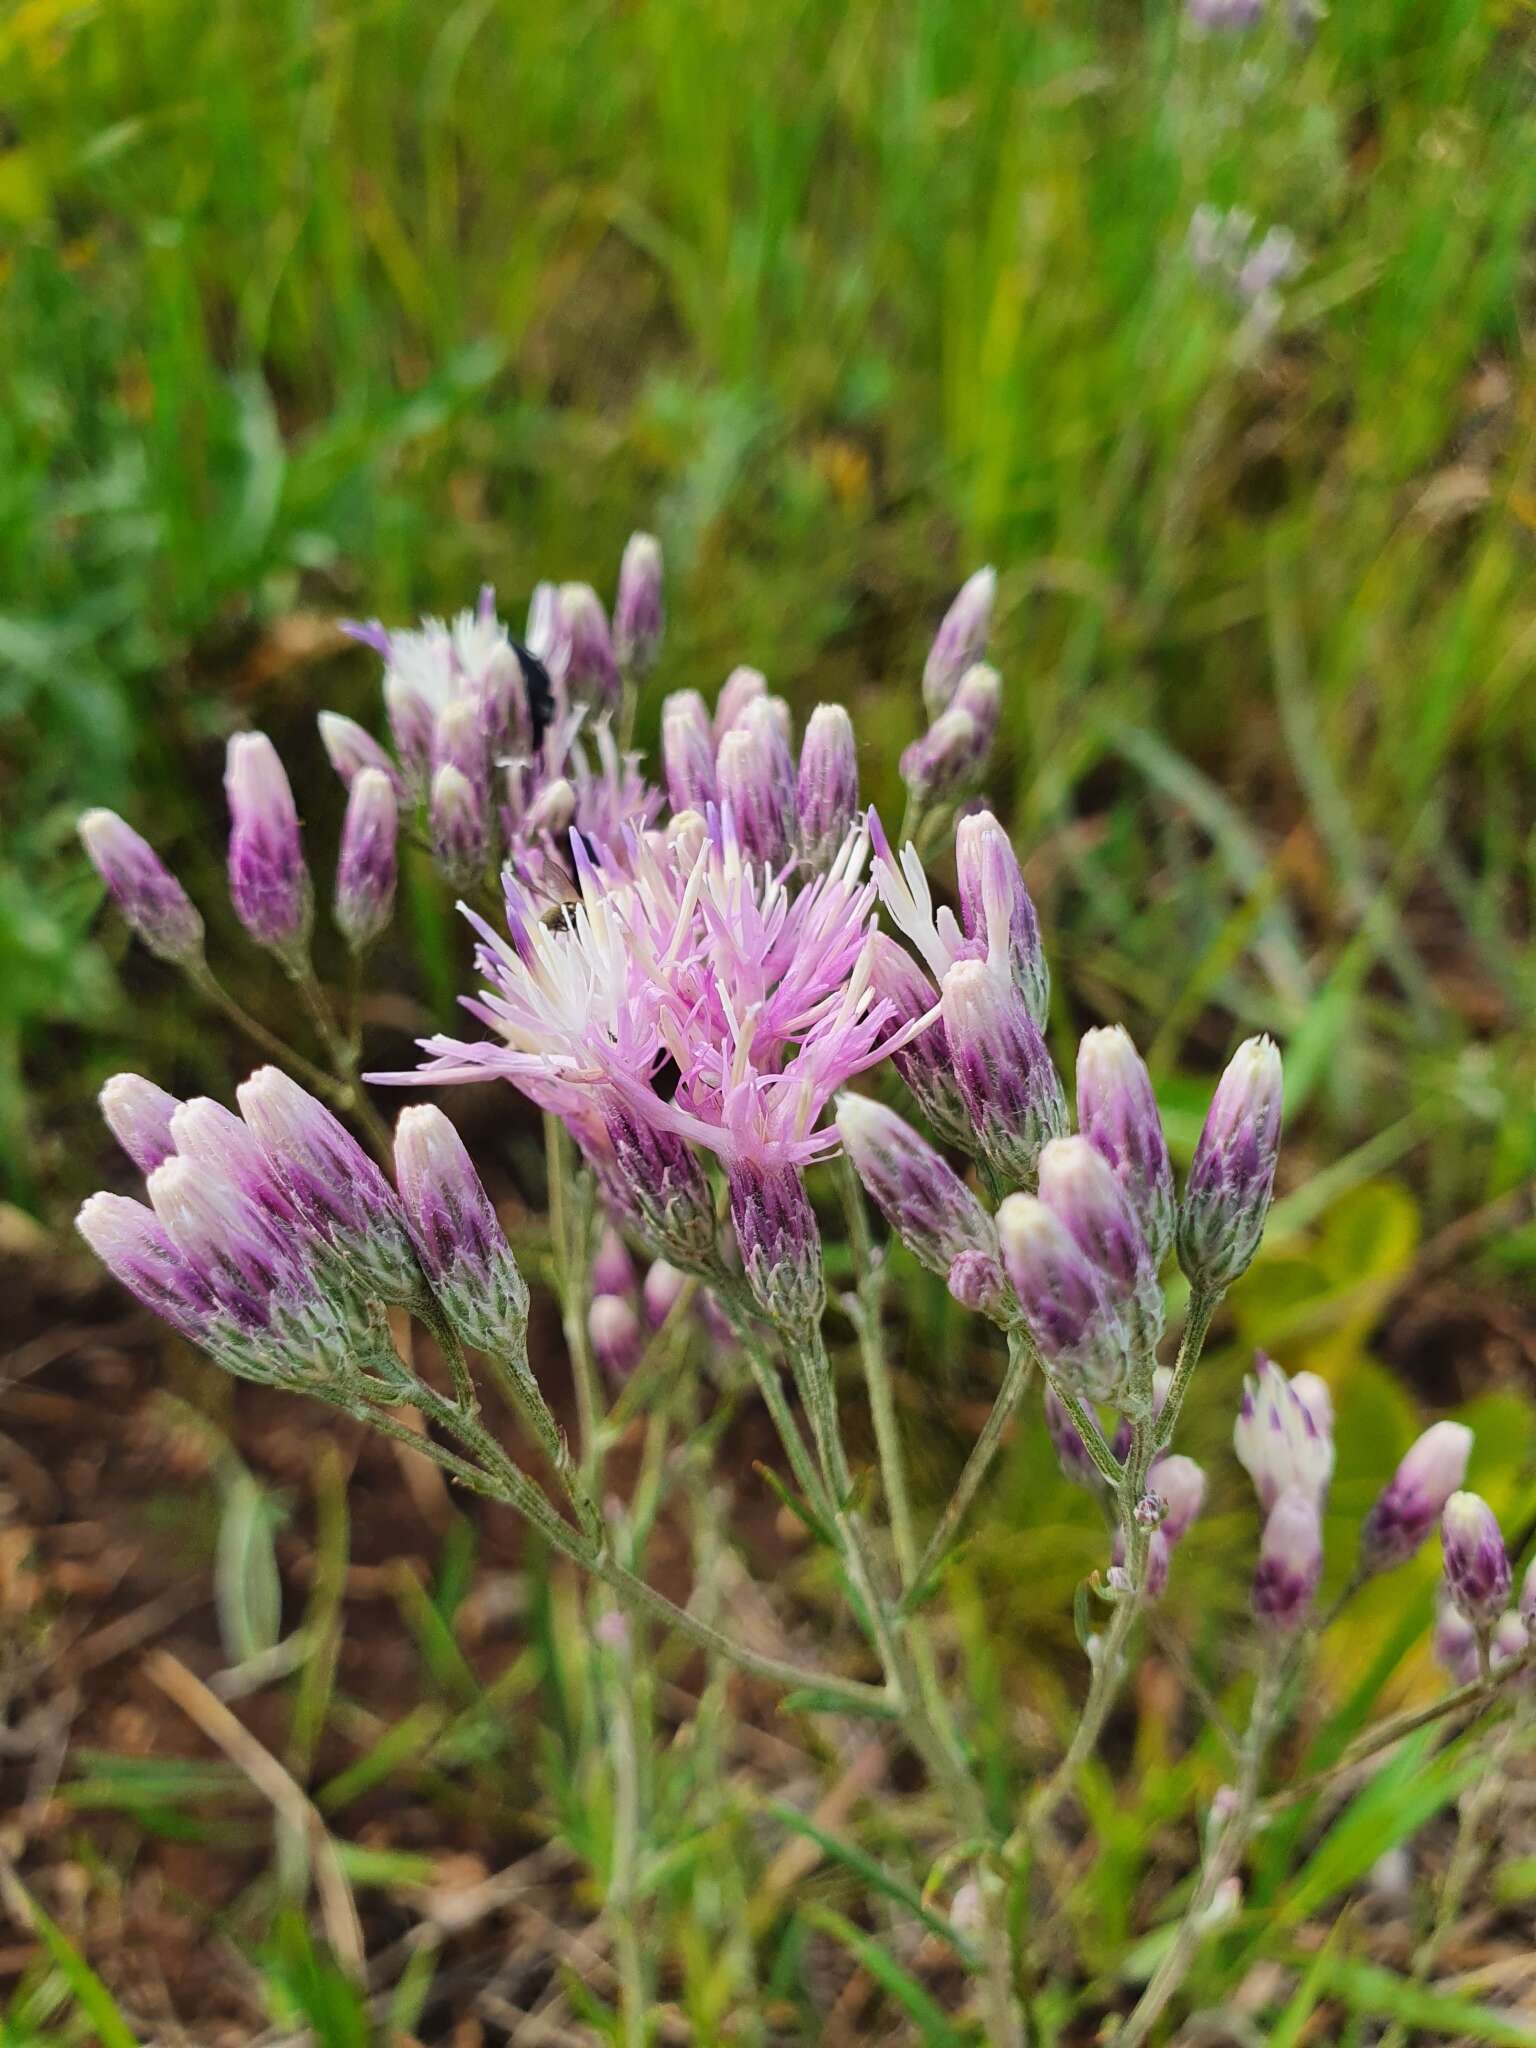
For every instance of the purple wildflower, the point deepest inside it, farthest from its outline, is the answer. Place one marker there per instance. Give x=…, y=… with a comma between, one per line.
x=1002, y=1069
x=365, y=869
x=638, y=617
x=1282, y=1436
x=1117, y=1112
x=925, y=1202
x=827, y=791
x=1290, y=1561
x=1232, y=1175
x=138, y=1114
x=156, y=907
x=456, y=1233
x=1414, y=1498
x=960, y=641
x=269, y=884
x=1477, y=1570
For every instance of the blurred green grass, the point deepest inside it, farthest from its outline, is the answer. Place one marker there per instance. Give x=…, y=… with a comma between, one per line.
x=321, y=308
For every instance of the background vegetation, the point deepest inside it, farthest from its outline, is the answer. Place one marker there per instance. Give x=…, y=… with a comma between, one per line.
x=310, y=309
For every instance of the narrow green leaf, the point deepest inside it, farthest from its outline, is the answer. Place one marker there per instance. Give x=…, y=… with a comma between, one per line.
x=247, y=1589
x=90, y=1994
x=808, y=1700
x=935, y=2027
x=1383, y=1994
x=873, y=1874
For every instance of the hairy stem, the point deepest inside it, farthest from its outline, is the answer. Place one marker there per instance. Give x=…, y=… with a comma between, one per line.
x=1224, y=1856
x=1022, y=1361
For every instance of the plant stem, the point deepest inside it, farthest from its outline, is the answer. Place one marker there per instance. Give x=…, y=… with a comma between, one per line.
x=208, y=985
x=341, y=1050
x=569, y=1231
x=877, y=1377
x=1085, y=1422
x=1225, y=1854
x=1022, y=1360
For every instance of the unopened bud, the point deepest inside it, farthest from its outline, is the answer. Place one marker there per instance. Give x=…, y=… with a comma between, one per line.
x=156, y=907
x=1232, y=1176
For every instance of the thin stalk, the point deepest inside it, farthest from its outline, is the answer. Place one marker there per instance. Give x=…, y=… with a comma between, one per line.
x=867, y=1304
x=634, y=1998
x=1203, y=1304
x=568, y=1230
x=505, y=1483
x=341, y=1051
x=208, y=985
x=1022, y=1360
x=1476, y=1803
x=1085, y=1422
x=1225, y=1854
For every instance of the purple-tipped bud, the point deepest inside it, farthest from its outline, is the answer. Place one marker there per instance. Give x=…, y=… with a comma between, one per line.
x=1280, y=1441
x=613, y=1270
x=214, y=1136
x=780, y=1244
x=245, y=1264
x=1232, y=1176
x=1414, y=1497
x=827, y=794
x=755, y=772
x=1065, y=1299
x=741, y=689
x=332, y=1183
x=946, y=760
x=688, y=752
x=1477, y=1573
x=1180, y=1484
x=155, y=905
x=960, y=641
x=981, y=696
x=996, y=911
x=664, y=1187
x=1080, y=1185
x=1001, y=1066
x=592, y=674
x=460, y=826
x=459, y=742
x=1454, y=1642
x=924, y=1062
x=268, y=882
x=638, y=617
x=1072, y=1453
x=977, y=1281
x=923, y=1199
x=551, y=812
x=1117, y=1113
x=1528, y=1597
x=460, y=1242
x=351, y=750
x=1509, y=1642
x=615, y=1333
x=663, y=1286
x=365, y=868
x=135, y=1247
x=1159, y=1557
x=1290, y=1561
x=138, y=1115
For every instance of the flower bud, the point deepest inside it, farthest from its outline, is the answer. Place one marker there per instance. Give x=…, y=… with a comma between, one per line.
x=662, y=1288
x=827, y=793
x=1080, y=1185
x=981, y=695
x=1454, y=1642
x=780, y=1244
x=1179, y=1482
x=977, y=1281
x=138, y=1114
x=157, y=908
x=613, y=1270
x=548, y=632
x=924, y=1062
x=1117, y=1113
x=351, y=750
x=1277, y=1437
x=365, y=869
x=332, y=1183
x=460, y=828
x=458, y=1237
x=250, y=1269
x=664, y=1185
x=135, y=1247
x=1072, y=1454
x=592, y=674
x=996, y=911
x=1290, y=1561
x=617, y=1340
x=1232, y=1176
x=1414, y=1498
x=960, y=641
x=1064, y=1298
x=688, y=752
x=1477, y=1573
x=638, y=617
x=741, y=689
x=943, y=762
x=1510, y=1641
x=756, y=776
x=925, y=1202
x=268, y=881
x=459, y=742
x=1002, y=1068
x=552, y=810
x=1159, y=1557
